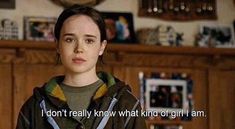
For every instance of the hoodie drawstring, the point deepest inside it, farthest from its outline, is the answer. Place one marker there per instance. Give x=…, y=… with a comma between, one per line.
x=49, y=118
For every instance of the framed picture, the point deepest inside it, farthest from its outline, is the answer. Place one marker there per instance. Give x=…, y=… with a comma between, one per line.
x=7, y=4
x=217, y=35
x=119, y=27
x=165, y=94
x=39, y=28
x=8, y=29
x=166, y=126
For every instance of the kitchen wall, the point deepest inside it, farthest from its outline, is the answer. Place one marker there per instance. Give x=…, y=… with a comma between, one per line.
x=225, y=8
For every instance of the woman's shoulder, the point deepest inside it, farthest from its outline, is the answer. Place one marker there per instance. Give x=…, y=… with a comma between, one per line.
x=32, y=101
x=126, y=98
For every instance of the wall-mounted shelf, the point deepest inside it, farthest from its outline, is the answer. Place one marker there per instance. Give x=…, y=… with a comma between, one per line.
x=131, y=48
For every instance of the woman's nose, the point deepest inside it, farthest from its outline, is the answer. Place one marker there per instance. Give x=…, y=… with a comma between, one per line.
x=78, y=47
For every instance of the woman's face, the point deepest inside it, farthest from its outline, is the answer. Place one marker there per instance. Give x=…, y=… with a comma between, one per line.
x=80, y=44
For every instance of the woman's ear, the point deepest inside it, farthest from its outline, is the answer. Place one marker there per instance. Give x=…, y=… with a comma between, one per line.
x=103, y=46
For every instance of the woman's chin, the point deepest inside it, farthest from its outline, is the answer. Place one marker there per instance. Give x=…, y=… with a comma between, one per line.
x=79, y=69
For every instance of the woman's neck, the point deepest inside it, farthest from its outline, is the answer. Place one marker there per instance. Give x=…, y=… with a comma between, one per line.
x=80, y=79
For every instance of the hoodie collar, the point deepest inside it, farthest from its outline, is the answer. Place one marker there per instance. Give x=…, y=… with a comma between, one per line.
x=52, y=88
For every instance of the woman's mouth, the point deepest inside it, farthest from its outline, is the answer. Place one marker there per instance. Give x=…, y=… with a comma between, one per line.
x=78, y=60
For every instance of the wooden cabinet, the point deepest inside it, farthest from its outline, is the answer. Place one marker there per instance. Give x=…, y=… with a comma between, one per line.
x=25, y=65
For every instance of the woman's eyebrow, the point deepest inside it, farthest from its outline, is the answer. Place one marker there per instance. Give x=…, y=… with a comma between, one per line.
x=90, y=35
x=68, y=34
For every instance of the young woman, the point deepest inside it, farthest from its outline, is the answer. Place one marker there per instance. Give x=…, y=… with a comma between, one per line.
x=82, y=98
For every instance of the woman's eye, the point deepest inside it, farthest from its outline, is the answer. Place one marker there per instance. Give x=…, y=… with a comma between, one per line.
x=69, y=40
x=89, y=41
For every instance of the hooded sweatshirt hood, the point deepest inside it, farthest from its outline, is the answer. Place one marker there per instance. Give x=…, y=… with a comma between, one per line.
x=53, y=91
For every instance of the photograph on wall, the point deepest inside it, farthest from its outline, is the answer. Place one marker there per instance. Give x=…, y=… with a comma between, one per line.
x=165, y=94
x=119, y=27
x=217, y=35
x=39, y=28
x=162, y=126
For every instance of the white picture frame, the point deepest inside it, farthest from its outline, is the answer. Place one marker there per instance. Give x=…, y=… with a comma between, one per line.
x=39, y=28
x=217, y=35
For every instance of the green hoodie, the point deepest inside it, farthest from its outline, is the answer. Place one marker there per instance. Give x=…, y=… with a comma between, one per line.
x=47, y=108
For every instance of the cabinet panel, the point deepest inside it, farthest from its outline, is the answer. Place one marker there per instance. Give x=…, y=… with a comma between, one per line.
x=222, y=102
x=6, y=96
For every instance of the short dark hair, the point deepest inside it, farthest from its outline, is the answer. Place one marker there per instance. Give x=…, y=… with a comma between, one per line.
x=81, y=10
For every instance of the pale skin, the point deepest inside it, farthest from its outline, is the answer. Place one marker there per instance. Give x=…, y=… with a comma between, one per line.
x=79, y=48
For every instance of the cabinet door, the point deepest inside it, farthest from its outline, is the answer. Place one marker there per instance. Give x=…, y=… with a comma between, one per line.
x=222, y=102
x=6, y=96
x=200, y=89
